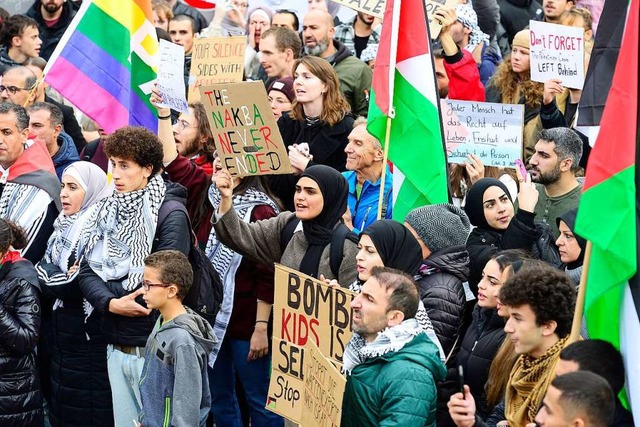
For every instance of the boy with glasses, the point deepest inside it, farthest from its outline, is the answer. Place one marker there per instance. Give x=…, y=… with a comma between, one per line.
x=174, y=385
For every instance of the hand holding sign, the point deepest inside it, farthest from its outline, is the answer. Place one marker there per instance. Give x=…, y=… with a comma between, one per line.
x=552, y=87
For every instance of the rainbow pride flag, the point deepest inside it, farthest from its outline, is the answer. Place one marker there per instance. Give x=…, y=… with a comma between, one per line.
x=106, y=62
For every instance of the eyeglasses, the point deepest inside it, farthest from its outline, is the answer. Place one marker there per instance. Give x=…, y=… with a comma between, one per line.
x=240, y=5
x=182, y=124
x=12, y=89
x=148, y=285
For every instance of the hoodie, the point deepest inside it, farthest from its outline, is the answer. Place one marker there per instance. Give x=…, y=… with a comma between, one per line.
x=174, y=386
x=66, y=155
x=5, y=61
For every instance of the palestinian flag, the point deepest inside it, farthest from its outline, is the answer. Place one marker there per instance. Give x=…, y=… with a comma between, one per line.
x=608, y=216
x=404, y=88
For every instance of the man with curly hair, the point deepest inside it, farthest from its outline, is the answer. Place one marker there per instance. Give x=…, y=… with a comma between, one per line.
x=540, y=300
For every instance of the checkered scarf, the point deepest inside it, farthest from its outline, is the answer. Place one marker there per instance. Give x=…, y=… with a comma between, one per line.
x=119, y=235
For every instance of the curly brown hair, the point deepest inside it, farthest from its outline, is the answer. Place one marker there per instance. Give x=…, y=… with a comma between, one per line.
x=137, y=144
x=513, y=87
x=334, y=105
x=547, y=290
x=11, y=235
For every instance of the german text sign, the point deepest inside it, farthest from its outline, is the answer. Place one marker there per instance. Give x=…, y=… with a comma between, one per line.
x=170, y=77
x=244, y=129
x=305, y=310
x=323, y=391
x=216, y=60
x=491, y=131
x=557, y=52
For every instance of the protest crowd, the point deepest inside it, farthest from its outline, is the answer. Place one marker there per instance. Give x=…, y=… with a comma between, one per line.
x=137, y=263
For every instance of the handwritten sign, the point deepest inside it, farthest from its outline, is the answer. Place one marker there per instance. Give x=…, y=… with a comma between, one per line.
x=323, y=391
x=557, y=52
x=170, y=72
x=216, y=60
x=244, y=129
x=377, y=7
x=493, y=132
x=305, y=311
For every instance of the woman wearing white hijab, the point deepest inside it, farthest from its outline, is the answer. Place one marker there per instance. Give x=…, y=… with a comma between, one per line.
x=78, y=359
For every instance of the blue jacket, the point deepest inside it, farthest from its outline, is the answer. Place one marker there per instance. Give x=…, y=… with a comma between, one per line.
x=66, y=155
x=174, y=386
x=365, y=211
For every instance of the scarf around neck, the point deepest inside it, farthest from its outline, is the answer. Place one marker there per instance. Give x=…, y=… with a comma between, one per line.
x=119, y=236
x=529, y=381
x=389, y=340
x=226, y=261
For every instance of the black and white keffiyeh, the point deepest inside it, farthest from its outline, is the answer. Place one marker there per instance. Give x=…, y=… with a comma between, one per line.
x=389, y=340
x=226, y=261
x=119, y=235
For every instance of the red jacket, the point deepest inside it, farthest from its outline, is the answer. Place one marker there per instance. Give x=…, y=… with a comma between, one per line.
x=464, y=77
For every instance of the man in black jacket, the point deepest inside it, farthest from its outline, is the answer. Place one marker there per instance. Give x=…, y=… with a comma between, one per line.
x=53, y=18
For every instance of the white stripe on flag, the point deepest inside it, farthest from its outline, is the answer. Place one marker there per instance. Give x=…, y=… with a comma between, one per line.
x=419, y=72
x=630, y=348
x=398, y=180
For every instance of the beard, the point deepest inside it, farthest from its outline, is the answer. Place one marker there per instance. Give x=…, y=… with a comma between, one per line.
x=318, y=49
x=52, y=7
x=548, y=178
x=189, y=148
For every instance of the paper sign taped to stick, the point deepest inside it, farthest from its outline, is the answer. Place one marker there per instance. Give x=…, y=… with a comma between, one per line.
x=376, y=8
x=170, y=77
x=216, y=60
x=557, y=52
x=491, y=131
x=244, y=129
x=323, y=391
x=305, y=310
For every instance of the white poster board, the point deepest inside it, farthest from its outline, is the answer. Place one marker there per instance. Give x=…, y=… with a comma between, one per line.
x=557, y=52
x=491, y=131
x=171, y=77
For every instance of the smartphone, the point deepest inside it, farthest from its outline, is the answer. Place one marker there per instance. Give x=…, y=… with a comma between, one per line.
x=523, y=170
x=461, y=379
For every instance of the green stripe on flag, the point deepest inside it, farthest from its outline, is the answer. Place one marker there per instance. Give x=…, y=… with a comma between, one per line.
x=108, y=34
x=415, y=147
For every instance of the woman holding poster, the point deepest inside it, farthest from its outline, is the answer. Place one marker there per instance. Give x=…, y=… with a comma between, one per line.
x=512, y=84
x=320, y=119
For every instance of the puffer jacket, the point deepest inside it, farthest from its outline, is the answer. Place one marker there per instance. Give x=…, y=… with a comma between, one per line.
x=20, y=395
x=440, y=280
x=66, y=155
x=173, y=233
x=479, y=346
x=395, y=389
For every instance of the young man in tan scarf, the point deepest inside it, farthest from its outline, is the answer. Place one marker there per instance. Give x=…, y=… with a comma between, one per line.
x=540, y=300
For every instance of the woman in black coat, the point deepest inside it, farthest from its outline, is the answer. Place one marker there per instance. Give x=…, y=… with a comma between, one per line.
x=20, y=396
x=490, y=209
x=80, y=392
x=316, y=129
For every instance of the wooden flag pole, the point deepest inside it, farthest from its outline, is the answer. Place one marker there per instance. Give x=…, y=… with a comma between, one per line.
x=582, y=291
x=385, y=158
x=34, y=89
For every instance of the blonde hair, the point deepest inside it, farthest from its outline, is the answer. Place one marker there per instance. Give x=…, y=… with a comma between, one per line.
x=334, y=105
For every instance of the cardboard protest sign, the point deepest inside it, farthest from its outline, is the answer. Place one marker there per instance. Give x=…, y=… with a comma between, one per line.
x=376, y=8
x=305, y=310
x=170, y=77
x=491, y=131
x=557, y=52
x=323, y=391
x=244, y=129
x=215, y=60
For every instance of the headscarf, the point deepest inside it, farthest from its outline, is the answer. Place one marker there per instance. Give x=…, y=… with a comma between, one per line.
x=396, y=245
x=261, y=10
x=569, y=218
x=318, y=231
x=468, y=17
x=473, y=207
x=65, y=240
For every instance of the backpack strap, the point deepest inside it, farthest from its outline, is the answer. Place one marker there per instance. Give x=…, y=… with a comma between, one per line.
x=340, y=234
x=169, y=206
x=287, y=233
x=90, y=150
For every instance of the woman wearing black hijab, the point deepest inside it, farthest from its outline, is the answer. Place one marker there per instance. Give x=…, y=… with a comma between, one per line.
x=570, y=245
x=490, y=209
x=387, y=243
x=300, y=240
